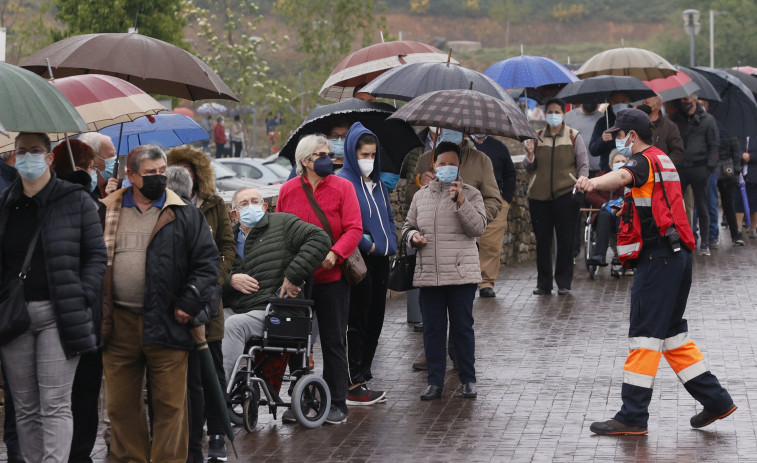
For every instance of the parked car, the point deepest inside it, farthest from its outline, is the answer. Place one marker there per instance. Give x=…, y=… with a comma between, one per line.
x=274, y=159
x=254, y=169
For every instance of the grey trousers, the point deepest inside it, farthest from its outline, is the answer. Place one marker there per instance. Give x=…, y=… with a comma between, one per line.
x=237, y=330
x=41, y=378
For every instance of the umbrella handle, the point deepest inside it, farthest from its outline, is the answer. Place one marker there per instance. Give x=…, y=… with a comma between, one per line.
x=198, y=335
x=433, y=150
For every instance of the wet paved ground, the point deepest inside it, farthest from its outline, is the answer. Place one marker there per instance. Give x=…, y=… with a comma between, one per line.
x=547, y=367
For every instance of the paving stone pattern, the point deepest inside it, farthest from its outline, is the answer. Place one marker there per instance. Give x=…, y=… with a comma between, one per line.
x=547, y=367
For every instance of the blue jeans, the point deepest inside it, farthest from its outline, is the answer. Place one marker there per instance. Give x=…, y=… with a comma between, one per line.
x=436, y=303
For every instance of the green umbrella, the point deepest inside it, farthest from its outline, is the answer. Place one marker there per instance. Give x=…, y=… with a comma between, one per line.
x=29, y=103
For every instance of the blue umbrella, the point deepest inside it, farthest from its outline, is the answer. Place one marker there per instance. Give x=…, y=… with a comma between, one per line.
x=166, y=131
x=529, y=72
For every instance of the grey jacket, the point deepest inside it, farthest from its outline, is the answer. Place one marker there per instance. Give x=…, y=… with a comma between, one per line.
x=451, y=256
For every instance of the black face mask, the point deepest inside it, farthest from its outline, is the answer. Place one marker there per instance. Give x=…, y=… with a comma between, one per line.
x=683, y=107
x=323, y=167
x=589, y=107
x=153, y=186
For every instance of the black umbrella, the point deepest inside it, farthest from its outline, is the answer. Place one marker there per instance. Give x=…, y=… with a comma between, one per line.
x=706, y=90
x=396, y=137
x=538, y=94
x=737, y=110
x=749, y=81
x=598, y=89
x=412, y=80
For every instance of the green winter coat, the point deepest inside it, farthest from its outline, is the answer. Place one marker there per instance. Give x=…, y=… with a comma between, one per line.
x=279, y=245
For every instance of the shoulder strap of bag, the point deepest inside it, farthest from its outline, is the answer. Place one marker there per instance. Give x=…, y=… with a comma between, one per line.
x=29, y=252
x=318, y=211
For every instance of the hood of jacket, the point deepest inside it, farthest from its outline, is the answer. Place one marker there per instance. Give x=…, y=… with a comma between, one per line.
x=205, y=180
x=351, y=168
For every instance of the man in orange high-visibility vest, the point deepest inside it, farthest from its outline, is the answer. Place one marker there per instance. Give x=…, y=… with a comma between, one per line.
x=655, y=237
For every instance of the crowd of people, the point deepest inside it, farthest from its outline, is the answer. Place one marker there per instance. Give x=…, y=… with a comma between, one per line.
x=114, y=275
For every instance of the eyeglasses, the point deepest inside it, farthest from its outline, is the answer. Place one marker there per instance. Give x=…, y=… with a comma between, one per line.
x=322, y=154
x=243, y=204
x=38, y=150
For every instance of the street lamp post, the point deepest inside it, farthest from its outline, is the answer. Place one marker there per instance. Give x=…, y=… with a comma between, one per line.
x=691, y=24
x=713, y=13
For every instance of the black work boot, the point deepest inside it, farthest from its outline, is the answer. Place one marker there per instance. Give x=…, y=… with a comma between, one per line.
x=614, y=427
x=704, y=417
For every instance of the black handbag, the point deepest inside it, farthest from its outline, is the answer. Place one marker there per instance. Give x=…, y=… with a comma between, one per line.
x=402, y=269
x=14, y=315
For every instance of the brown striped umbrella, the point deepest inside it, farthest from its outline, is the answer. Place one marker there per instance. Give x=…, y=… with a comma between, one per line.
x=636, y=62
x=468, y=111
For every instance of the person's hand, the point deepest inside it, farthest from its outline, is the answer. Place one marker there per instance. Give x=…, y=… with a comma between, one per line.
x=456, y=187
x=290, y=288
x=181, y=316
x=111, y=186
x=585, y=184
x=244, y=283
x=418, y=240
x=745, y=156
x=330, y=260
x=427, y=177
x=607, y=136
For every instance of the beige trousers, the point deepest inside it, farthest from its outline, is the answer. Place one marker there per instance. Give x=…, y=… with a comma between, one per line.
x=490, y=247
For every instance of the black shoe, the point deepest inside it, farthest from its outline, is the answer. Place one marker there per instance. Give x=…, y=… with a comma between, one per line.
x=704, y=417
x=614, y=427
x=418, y=328
x=216, y=448
x=420, y=364
x=469, y=391
x=288, y=416
x=598, y=260
x=541, y=292
x=563, y=291
x=486, y=292
x=336, y=416
x=432, y=392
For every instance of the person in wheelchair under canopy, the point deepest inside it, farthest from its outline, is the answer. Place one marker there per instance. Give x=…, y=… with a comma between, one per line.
x=605, y=221
x=274, y=250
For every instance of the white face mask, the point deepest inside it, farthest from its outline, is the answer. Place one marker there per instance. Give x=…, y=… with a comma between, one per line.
x=366, y=166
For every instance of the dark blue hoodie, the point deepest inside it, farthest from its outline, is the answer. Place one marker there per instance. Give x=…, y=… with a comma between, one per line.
x=375, y=207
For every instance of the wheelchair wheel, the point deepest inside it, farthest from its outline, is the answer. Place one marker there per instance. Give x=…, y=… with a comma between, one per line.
x=590, y=237
x=250, y=410
x=238, y=400
x=311, y=400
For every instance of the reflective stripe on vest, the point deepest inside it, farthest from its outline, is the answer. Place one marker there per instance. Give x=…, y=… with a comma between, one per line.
x=643, y=202
x=627, y=249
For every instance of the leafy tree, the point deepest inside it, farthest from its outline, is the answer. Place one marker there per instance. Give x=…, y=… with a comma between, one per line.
x=26, y=28
x=164, y=19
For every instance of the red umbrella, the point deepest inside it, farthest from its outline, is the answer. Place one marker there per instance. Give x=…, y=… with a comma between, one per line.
x=364, y=65
x=679, y=85
x=185, y=111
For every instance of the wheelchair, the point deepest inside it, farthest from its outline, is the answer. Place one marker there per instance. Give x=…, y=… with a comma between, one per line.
x=250, y=389
x=590, y=240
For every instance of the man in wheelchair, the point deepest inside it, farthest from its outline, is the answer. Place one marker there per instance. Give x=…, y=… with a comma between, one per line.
x=274, y=250
x=606, y=221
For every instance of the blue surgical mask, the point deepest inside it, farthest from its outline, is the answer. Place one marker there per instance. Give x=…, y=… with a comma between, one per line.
x=616, y=108
x=446, y=174
x=31, y=166
x=110, y=164
x=337, y=146
x=251, y=215
x=620, y=145
x=554, y=120
x=93, y=181
x=390, y=180
x=451, y=136
x=618, y=165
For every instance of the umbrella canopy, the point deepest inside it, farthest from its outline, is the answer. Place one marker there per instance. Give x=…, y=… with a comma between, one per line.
x=737, y=110
x=211, y=108
x=184, y=111
x=364, y=65
x=106, y=100
x=674, y=87
x=468, y=111
x=746, y=69
x=396, y=137
x=598, y=89
x=3, y=131
x=636, y=62
x=408, y=81
x=150, y=64
x=29, y=103
x=706, y=90
x=529, y=72
x=748, y=80
x=164, y=130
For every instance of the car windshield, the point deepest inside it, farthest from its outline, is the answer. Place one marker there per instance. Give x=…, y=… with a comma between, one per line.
x=222, y=171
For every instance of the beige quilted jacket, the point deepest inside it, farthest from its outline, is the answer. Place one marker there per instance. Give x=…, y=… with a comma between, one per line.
x=451, y=256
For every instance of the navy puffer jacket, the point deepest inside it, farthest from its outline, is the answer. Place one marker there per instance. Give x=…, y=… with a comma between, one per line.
x=72, y=241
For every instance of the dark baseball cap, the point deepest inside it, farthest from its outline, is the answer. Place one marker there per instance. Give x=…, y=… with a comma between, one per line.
x=631, y=119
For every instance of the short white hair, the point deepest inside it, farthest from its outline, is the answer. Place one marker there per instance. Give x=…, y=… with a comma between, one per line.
x=93, y=140
x=307, y=146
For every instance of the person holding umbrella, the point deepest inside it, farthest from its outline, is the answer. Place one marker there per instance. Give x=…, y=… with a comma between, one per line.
x=362, y=168
x=602, y=144
x=554, y=166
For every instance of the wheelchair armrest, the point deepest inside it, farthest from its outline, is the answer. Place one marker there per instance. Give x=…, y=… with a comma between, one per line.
x=290, y=302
